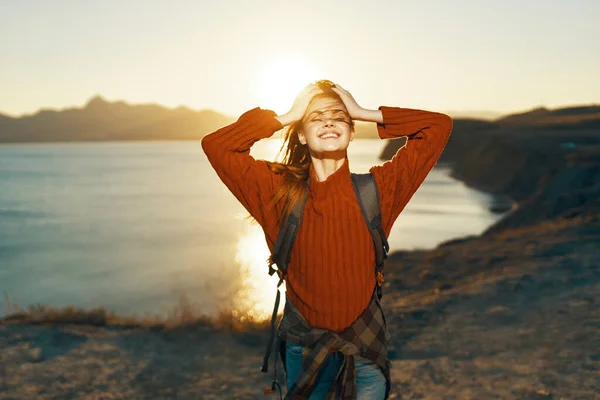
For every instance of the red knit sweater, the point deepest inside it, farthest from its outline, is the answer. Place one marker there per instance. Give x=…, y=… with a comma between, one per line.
x=331, y=270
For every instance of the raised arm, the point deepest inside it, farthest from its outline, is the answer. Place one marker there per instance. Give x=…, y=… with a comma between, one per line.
x=228, y=151
x=398, y=179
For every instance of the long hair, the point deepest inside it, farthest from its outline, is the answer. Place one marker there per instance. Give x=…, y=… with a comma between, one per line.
x=295, y=166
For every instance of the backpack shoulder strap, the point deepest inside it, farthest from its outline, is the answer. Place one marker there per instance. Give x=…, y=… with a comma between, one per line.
x=368, y=198
x=287, y=235
x=281, y=257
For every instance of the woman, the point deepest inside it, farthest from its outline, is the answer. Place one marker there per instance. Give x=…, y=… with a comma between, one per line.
x=330, y=281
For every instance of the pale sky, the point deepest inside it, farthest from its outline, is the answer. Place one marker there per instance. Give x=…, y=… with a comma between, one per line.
x=230, y=56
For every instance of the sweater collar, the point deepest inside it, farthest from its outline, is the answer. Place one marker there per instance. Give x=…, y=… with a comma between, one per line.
x=332, y=185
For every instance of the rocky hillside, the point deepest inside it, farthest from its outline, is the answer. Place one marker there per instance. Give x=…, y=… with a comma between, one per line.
x=550, y=155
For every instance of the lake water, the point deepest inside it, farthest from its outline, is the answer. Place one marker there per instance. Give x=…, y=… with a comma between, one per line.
x=132, y=226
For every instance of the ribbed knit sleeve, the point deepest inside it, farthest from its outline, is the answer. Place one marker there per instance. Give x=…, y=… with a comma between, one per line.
x=228, y=151
x=399, y=178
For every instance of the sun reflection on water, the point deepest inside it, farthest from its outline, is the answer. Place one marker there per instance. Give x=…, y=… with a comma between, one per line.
x=259, y=289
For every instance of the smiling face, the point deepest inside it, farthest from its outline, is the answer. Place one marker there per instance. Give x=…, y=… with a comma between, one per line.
x=326, y=127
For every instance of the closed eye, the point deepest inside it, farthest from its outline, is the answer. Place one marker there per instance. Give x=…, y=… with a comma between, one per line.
x=335, y=119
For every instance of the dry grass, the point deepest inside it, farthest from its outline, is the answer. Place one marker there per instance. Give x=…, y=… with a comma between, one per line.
x=183, y=316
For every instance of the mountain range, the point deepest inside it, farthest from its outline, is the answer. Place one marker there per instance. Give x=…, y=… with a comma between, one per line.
x=101, y=120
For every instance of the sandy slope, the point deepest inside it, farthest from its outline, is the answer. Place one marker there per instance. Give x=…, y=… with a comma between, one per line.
x=519, y=318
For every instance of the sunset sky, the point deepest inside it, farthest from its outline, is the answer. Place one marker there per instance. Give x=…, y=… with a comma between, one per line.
x=230, y=56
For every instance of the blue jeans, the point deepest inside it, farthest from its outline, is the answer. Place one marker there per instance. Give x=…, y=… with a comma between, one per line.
x=370, y=382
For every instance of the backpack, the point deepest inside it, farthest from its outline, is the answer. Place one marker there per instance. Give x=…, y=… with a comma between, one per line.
x=367, y=194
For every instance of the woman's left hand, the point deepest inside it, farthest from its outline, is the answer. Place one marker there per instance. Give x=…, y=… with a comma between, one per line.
x=354, y=110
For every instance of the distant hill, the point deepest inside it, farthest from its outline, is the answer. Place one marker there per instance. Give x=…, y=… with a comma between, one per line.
x=485, y=115
x=539, y=127
x=100, y=120
x=544, y=116
x=518, y=155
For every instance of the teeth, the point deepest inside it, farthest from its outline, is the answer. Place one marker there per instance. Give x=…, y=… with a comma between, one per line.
x=329, y=135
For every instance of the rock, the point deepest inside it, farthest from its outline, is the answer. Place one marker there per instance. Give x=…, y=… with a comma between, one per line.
x=420, y=315
x=445, y=286
x=532, y=394
x=427, y=275
x=594, y=357
x=427, y=369
x=462, y=355
x=590, y=366
x=549, y=380
x=497, y=310
x=524, y=282
x=393, y=353
x=35, y=355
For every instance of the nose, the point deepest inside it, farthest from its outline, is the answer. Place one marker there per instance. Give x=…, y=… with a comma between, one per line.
x=328, y=122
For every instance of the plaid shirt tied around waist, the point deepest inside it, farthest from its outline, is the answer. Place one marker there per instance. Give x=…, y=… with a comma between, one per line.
x=367, y=337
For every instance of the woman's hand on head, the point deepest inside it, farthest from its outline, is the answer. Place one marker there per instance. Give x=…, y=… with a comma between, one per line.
x=354, y=110
x=300, y=105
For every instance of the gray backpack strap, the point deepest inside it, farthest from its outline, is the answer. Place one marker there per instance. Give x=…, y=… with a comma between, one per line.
x=287, y=236
x=368, y=198
x=281, y=256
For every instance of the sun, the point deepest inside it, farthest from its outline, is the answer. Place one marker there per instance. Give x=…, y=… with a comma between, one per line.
x=282, y=79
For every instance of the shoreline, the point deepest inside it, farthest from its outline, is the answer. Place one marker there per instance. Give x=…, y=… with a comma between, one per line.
x=127, y=304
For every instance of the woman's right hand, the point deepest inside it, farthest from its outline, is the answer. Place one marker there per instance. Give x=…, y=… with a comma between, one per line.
x=300, y=105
